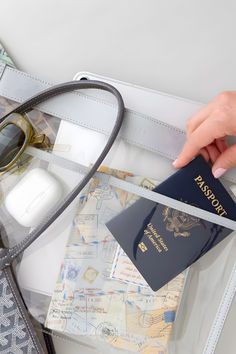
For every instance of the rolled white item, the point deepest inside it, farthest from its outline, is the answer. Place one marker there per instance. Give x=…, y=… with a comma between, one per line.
x=33, y=196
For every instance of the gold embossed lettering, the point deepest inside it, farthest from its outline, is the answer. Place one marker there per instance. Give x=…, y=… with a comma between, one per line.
x=215, y=203
x=219, y=208
x=223, y=213
x=142, y=246
x=210, y=195
x=155, y=238
x=199, y=178
x=200, y=184
x=208, y=192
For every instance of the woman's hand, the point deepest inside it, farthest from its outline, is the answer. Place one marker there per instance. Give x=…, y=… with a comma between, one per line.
x=207, y=130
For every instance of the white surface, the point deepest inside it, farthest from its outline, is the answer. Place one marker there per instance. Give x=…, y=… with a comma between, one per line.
x=31, y=198
x=183, y=47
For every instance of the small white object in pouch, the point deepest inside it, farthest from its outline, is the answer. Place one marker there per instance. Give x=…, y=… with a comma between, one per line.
x=32, y=198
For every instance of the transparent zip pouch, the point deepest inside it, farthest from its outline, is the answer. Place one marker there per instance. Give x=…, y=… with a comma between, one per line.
x=75, y=279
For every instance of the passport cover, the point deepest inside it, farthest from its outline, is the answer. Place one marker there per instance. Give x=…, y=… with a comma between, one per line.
x=161, y=241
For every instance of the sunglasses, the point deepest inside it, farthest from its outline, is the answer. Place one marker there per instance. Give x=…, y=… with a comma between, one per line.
x=16, y=133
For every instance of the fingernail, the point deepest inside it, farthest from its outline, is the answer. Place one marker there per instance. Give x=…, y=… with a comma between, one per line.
x=219, y=172
x=175, y=163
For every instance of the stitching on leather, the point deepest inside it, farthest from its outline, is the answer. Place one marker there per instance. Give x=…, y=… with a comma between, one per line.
x=21, y=311
x=18, y=72
x=138, y=115
x=133, y=113
x=28, y=75
x=150, y=148
x=156, y=122
x=94, y=99
x=48, y=83
x=150, y=90
x=55, y=114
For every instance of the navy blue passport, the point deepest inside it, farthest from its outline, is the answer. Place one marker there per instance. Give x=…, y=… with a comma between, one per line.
x=161, y=241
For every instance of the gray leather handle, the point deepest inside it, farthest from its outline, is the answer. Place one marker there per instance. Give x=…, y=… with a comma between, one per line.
x=9, y=254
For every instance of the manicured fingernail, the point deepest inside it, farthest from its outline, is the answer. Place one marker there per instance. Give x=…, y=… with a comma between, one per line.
x=175, y=163
x=219, y=172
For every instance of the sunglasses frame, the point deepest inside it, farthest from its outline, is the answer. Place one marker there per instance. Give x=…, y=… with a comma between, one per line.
x=31, y=138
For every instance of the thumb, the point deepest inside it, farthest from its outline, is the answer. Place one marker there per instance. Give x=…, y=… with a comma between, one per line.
x=225, y=161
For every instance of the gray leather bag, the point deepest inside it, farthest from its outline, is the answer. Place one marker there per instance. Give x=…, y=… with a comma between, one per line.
x=17, y=334
x=199, y=322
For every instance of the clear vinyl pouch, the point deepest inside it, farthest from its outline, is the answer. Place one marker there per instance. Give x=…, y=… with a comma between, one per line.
x=75, y=279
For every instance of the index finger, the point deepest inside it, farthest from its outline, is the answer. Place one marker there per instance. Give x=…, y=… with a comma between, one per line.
x=198, y=118
x=204, y=135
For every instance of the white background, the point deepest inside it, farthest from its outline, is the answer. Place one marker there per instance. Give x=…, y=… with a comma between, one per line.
x=183, y=47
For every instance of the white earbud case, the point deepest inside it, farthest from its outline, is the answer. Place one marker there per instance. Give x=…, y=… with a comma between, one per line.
x=33, y=197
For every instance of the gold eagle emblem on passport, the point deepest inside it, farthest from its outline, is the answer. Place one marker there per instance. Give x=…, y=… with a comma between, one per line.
x=178, y=221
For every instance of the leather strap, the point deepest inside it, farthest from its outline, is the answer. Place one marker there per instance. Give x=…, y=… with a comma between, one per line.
x=11, y=253
x=138, y=129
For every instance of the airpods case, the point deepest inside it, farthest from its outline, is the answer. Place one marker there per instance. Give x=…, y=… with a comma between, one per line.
x=33, y=197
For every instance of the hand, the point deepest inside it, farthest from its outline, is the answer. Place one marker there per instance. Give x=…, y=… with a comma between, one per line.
x=207, y=130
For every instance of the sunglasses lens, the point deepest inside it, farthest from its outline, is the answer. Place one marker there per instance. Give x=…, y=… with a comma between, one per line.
x=11, y=141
